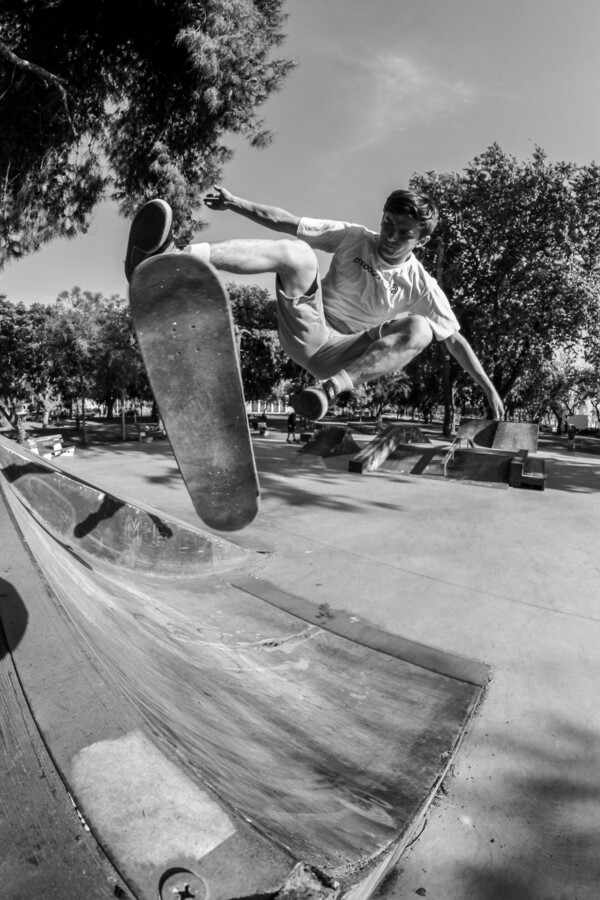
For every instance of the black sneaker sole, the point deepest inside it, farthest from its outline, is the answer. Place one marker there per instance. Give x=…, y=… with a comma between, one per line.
x=311, y=403
x=151, y=231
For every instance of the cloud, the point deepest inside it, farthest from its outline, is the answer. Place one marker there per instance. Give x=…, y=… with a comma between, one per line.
x=394, y=93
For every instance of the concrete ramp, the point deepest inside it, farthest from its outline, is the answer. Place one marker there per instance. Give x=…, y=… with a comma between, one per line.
x=384, y=445
x=499, y=435
x=331, y=440
x=206, y=722
x=516, y=436
x=480, y=432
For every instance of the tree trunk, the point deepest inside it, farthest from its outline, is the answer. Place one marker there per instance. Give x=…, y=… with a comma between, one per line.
x=18, y=423
x=448, y=390
x=21, y=432
x=559, y=413
x=83, y=421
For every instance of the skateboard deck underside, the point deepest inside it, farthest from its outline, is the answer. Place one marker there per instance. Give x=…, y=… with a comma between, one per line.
x=183, y=322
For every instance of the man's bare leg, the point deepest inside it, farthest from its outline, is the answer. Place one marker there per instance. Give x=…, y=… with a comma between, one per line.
x=293, y=261
x=401, y=340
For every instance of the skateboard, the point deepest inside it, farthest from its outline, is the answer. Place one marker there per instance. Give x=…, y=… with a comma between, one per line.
x=182, y=318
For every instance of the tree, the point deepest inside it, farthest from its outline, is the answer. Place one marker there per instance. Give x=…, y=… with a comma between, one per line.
x=592, y=358
x=119, y=369
x=517, y=252
x=389, y=390
x=136, y=95
x=29, y=365
x=16, y=346
x=558, y=387
x=77, y=342
x=43, y=363
x=264, y=364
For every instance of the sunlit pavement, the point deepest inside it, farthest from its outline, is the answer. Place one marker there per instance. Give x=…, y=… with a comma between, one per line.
x=507, y=576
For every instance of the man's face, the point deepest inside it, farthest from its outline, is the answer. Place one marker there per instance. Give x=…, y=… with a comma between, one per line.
x=398, y=236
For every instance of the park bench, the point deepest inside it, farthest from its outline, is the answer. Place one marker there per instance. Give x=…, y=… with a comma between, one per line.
x=50, y=445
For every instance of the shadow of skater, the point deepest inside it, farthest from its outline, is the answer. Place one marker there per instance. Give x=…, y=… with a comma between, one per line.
x=13, y=618
x=107, y=509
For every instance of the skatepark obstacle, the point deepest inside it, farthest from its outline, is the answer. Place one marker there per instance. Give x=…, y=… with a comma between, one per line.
x=496, y=438
x=331, y=440
x=380, y=448
x=483, y=451
x=173, y=688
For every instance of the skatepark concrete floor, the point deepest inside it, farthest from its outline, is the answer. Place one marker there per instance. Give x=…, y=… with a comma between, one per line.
x=510, y=577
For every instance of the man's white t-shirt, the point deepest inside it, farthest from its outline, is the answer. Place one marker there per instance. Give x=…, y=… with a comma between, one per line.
x=361, y=290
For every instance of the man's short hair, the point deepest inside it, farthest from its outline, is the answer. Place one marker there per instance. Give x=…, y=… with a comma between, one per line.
x=419, y=206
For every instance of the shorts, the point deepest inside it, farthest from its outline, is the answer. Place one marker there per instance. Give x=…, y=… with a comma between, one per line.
x=307, y=338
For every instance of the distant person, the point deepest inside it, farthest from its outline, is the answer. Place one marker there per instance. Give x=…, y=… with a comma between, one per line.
x=291, y=428
x=375, y=310
x=571, y=435
x=263, y=424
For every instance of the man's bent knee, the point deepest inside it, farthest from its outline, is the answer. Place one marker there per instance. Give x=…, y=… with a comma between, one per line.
x=415, y=330
x=297, y=267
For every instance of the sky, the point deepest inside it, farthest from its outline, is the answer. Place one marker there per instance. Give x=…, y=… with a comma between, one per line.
x=382, y=89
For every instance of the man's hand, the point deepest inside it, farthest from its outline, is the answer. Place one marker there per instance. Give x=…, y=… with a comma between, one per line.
x=496, y=404
x=269, y=216
x=219, y=198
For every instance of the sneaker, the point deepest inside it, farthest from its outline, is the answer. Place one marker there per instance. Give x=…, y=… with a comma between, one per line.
x=151, y=233
x=314, y=401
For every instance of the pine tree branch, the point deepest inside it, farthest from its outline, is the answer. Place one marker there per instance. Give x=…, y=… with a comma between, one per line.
x=46, y=77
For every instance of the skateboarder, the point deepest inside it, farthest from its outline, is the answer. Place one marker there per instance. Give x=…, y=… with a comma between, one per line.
x=376, y=309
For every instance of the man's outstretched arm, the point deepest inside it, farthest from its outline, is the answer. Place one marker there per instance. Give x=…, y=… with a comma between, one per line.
x=465, y=356
x=269, y=216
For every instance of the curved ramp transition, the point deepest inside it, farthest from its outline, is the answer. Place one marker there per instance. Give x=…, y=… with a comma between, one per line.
x=205, y=721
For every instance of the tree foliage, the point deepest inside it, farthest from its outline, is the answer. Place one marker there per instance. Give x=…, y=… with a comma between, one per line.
x=389, y=391
x=93, y=336
x=16, y=340
x=80, y=347
x=559, y=388
x=264, y=364
x=517, y=252
x=137, y=95
x=84, y=347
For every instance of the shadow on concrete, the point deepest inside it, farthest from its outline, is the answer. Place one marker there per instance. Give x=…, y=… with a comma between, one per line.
x=567, y=474
x=81, y=517
x=109, y=507
x=13, y=618
x=546, y=813
x=556, y=803
x=326, y=478
x=326, y=481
